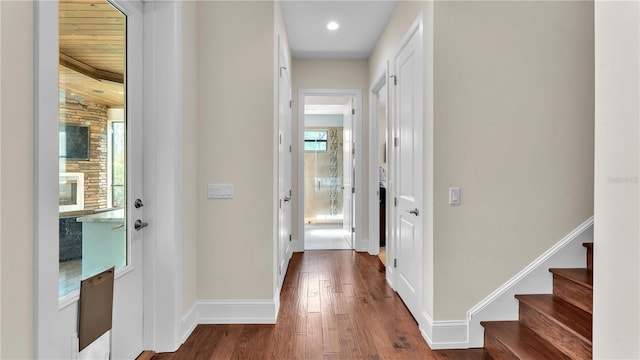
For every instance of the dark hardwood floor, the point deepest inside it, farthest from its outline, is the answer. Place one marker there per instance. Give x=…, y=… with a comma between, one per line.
x=334, y=305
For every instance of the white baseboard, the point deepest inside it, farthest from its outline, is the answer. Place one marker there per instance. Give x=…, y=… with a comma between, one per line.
x=362, y=245
x=448, y=334
x=230, y=312
x=189, y=322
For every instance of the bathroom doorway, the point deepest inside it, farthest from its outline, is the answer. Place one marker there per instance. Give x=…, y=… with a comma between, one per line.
x=328, y=172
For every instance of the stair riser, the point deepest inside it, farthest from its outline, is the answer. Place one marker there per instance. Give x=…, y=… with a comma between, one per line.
x=573, y=293
x=567, y=342
x=496, y=349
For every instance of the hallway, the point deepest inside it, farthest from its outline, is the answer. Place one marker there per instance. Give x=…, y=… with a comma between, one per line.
x=334, y=305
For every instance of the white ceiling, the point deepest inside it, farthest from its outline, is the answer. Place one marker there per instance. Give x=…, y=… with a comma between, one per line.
x=361, y=24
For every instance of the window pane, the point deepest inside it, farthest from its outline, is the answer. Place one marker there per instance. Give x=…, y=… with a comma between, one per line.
x=92, y=149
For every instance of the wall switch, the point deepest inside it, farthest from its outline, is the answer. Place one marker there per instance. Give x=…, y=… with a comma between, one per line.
x=454, y=196
x=220, y=191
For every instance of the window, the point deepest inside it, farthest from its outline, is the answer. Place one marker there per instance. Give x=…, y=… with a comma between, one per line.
x=315, y=140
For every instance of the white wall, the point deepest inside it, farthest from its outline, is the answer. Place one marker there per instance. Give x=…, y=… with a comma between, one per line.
x=331, y=74
x=235, y=144
x=616, y=293
x=16, y=309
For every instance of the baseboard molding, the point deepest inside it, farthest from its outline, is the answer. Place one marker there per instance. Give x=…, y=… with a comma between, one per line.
x=535, y=278
x=448, y=334
x=230, y=312
x=362, y=245
x=189, y=322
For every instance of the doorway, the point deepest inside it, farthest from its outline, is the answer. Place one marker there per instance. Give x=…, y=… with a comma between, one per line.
x=379, y=165
x=329, y=174
x=327, y=171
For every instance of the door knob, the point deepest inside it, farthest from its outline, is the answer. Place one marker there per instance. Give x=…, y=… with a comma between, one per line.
x=287, y=198
x=139, y=225
x=415, y=212
x=138, y=203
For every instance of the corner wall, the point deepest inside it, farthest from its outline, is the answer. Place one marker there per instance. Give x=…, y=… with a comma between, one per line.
x=616, y=278
x=190, y=156
x=235, y=143
x=16, y=208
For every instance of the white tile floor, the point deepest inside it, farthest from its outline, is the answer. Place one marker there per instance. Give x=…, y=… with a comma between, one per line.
x=325, y=237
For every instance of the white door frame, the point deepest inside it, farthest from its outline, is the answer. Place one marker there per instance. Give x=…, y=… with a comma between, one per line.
x=357, y=94
x=374, y=159
x=162, y=284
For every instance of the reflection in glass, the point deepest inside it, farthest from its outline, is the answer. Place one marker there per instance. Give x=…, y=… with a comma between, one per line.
x=92, y=141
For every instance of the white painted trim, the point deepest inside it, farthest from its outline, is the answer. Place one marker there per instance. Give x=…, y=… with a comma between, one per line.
x=374, y=159
x=447, y=334
x=229, y=312
x=298, y=245
x=163, y=180
x=534, y=278
x=237, y=311
x=189, y=322
x=45, y=190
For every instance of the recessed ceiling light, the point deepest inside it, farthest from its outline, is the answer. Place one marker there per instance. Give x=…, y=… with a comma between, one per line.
x=333, y=26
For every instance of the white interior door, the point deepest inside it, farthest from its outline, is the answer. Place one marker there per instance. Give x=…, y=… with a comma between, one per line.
x=348, y=173
x=408, y=173
x=284, y=167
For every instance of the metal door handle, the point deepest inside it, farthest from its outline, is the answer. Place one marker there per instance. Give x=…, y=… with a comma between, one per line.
x=287, y=198
x=415, y=212
x=139, y=225
x=138, y=203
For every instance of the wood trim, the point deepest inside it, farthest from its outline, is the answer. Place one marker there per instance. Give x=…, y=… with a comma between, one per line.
x=88, y=70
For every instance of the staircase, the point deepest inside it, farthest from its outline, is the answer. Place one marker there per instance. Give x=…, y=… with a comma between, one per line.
x=551, y=326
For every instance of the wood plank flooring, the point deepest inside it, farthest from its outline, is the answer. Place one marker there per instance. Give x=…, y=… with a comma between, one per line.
x=334, y=305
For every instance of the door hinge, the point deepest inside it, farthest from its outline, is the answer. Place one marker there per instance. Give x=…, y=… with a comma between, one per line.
x=280, y=138
x=353, y=111
x=353, y=151
x=289, y=237
x=353, y=229
x=395, y=79
x=395, y=141
x=395, y=201
x=395, y=263
x=280, y=203
x=290, y=104
x=353, y=190
x=289, y=148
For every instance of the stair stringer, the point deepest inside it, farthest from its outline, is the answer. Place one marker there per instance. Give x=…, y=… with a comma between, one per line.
x=535, y=278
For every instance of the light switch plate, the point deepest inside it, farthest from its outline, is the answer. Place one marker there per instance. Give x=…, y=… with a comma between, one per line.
x=454, y=196
x=220, y=191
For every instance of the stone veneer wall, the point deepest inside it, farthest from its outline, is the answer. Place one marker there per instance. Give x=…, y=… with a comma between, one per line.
x=94, y=169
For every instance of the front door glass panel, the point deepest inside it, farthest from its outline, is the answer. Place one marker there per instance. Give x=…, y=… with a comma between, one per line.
x=92, y=136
